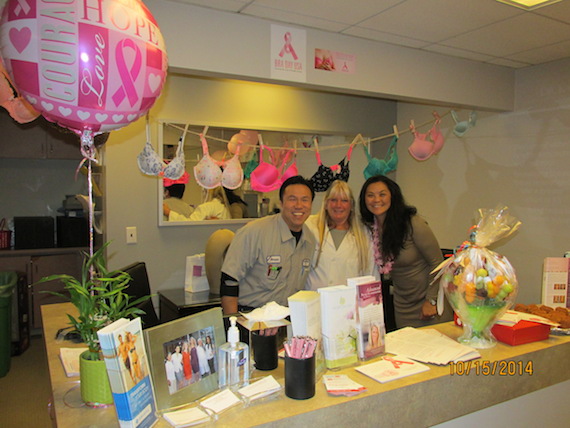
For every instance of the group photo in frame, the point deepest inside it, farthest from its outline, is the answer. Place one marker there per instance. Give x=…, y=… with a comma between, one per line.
x=183, y=357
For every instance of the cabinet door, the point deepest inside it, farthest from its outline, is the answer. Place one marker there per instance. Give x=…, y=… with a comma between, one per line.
x=21, y=141
x=18, y=264
x=50, y=265
x=62, y=144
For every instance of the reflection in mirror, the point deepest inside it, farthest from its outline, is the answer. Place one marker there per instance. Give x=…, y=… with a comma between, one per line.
x=187, y=201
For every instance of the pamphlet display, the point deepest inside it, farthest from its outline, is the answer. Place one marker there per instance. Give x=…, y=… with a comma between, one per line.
x=123, y=348
x=338, y=325
x=370, y=327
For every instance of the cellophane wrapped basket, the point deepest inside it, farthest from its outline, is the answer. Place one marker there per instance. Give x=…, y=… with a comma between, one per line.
x=480, y=284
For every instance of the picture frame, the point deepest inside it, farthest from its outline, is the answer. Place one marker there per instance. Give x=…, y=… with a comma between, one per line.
x=171, y=349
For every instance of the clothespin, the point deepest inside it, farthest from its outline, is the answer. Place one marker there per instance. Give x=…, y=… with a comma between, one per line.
x=205, y=131
x=437, y=116
x=396, y=133
x=412, y=126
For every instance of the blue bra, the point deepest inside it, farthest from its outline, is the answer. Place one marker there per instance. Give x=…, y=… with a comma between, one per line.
x=382, y=166
x=461, y=127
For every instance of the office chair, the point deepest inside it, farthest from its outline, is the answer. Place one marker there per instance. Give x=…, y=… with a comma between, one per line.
x=139, y=286
x=216, y=248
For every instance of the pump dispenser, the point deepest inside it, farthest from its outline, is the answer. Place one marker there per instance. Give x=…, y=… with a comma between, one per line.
x=233, y=360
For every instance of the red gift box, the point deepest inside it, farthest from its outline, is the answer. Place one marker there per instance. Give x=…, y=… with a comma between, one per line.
x=521, y=332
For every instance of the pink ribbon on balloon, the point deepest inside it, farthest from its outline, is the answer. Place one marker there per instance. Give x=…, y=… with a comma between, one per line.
x=23, y=6
x=288, y=47
x=128, y=76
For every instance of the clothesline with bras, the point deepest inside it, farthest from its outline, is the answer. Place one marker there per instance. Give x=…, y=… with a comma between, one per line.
x=358, y=139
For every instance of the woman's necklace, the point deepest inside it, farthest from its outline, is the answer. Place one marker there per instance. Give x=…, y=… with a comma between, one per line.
x=383, y=266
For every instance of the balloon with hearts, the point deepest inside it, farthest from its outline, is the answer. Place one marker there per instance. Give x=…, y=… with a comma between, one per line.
x=89, y=66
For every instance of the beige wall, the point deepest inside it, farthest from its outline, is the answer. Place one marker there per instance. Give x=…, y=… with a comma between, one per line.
x=519, y=159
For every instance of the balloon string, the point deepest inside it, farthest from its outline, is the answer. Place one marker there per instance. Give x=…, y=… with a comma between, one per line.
x=88, y=151
x=91, y=208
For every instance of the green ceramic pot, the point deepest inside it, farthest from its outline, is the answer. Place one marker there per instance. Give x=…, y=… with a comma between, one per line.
x=95, y=387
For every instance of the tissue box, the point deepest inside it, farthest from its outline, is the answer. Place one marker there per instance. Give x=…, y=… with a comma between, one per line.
x=520, y=333
x=305, y=308
x=196, y=279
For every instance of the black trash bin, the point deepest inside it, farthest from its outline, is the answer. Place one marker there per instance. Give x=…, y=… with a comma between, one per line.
x=8, y=282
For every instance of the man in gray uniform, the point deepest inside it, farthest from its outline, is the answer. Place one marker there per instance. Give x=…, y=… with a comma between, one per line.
x=269, y=258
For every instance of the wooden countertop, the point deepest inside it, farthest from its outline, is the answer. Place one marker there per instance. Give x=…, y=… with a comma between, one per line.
x=424, y=399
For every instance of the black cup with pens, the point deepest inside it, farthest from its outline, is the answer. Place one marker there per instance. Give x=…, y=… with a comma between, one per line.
x=300, y=368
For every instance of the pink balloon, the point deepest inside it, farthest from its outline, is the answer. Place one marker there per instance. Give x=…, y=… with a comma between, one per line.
x=88, y=66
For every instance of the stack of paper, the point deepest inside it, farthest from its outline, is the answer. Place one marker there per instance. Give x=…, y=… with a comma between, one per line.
x=186, y=417
x=342, y=385
x=392, y=368
x=428, y=346
x=261, y=388
x=70, y=360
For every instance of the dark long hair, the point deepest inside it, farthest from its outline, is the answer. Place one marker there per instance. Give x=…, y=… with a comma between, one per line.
x=398, y=221
x=233, y=197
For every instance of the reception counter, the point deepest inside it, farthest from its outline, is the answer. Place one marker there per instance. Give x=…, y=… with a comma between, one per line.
x=425, y=399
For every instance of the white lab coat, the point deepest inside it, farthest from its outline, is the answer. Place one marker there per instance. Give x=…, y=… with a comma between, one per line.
x=336, y=265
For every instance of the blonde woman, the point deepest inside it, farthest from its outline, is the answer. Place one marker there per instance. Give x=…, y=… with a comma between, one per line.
x=214, y=207
x=344, y=247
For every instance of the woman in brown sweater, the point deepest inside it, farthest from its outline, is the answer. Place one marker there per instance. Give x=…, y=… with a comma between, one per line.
x=406, y=251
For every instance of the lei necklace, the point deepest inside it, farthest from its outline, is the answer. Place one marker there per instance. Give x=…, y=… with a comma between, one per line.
x=383, y=267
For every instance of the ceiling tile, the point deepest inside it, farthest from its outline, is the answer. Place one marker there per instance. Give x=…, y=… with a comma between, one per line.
x=559, y=11
x=461, y=53
x=508, y=63
x=437, y=20
x=292, y=18
x=347, y=12
x=543, y=54
x=512, y=35
x=380, y=36
x=227, y=5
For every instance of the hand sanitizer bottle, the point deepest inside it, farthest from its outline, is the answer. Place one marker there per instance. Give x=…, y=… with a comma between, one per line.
x=233, y=360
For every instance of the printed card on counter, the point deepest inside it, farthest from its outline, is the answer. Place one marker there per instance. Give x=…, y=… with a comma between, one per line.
x=221, y=401
x=186, y=417
x=342, y=385
x=70, y=360
x=392, y=368
x=261, y=388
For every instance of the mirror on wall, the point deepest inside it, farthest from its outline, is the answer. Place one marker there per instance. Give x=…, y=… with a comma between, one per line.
x=187, y=202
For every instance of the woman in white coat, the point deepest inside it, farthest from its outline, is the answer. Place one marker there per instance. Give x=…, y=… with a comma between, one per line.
x=344, y=248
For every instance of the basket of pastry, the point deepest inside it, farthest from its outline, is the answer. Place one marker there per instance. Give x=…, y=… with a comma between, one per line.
x=558, y=315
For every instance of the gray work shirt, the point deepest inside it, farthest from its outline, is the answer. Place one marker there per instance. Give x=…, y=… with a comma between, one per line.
x=267, y=262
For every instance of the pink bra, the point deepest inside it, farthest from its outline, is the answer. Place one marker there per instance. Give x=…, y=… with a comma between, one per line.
x=150, y=163
x=267, y=177
x=423, y=148
x=209, y=174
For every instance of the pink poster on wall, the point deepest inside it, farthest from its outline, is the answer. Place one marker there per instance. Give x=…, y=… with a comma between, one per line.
x=288, y=53
x=337, y=62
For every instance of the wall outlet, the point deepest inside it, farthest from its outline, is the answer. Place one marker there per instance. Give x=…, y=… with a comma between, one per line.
x=131, y=235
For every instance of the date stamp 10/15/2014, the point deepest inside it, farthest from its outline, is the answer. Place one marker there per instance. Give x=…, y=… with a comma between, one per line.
x=491, y=368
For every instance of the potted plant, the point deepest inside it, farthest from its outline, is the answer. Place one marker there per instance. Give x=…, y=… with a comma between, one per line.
x=100, y=298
